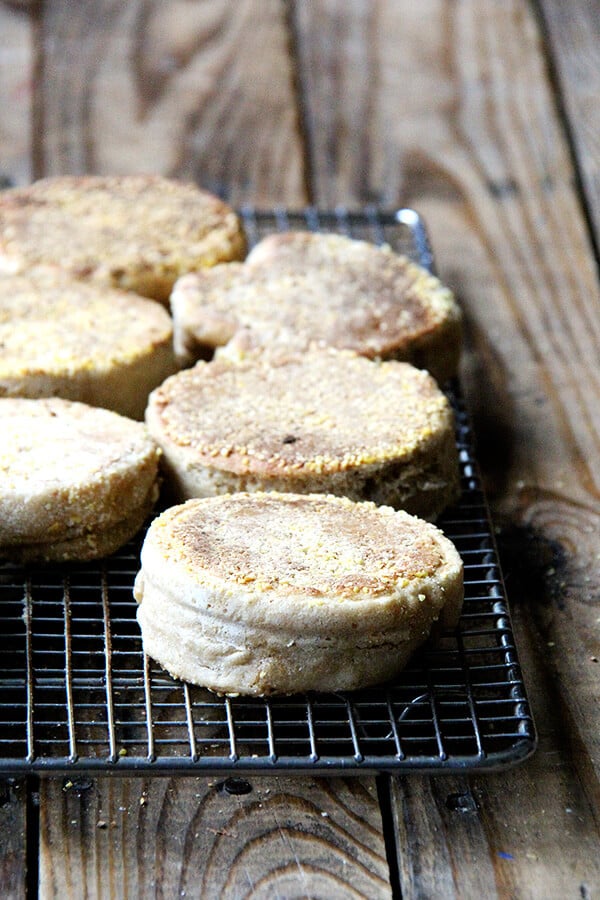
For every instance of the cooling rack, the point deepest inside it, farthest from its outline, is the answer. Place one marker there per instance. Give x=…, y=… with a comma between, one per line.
x=77, y=692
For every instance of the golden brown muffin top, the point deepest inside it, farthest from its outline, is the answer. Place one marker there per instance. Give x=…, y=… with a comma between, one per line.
x=303, y=289
x=320, y=412
x=310, y=545
x=65, y=466
x=53, y=440
x=139, y=232
x=52, y=324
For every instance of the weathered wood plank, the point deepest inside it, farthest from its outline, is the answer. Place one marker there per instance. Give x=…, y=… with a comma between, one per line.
x=531, y=832
x=194, y=90
x=191, y=837
x=460, y=121
x=16, y=89
x=573, y=31
x=463, y=126
x=13, y=839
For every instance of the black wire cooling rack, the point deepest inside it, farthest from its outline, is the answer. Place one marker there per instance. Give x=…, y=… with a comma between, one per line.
x=78, y=693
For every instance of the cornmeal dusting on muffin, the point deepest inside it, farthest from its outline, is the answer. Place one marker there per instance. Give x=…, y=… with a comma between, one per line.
x=298, y=290
x=262, y=593
x=50, y=323
x=324, y=411
x=137, y=232
x=309, y=547
x=76, y=481
x=81, y=341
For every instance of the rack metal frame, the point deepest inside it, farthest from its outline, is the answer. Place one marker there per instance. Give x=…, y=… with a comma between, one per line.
x=77, y=693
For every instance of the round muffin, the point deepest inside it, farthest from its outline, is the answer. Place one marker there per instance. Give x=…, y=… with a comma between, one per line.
x=281, y=593
x=301, y=289
x=77, y=481
x=325, y=421
x=136, y=232
x=80, y=341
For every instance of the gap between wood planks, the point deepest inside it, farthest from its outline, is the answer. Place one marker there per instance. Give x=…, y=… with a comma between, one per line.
x=300, y=93
x=32, y=839
x=384, y=796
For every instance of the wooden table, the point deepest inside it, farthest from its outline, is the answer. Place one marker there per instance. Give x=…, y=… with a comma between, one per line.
x=485, y=116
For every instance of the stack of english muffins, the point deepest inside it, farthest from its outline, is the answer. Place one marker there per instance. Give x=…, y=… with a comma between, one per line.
x=86, y=268
x=294, y=422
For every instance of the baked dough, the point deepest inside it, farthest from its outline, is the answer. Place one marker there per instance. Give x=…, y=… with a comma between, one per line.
x=77, y=481
x=71, y=339
x=136, y=232
x=325, y=421
x=299, y=289
x=281, y=593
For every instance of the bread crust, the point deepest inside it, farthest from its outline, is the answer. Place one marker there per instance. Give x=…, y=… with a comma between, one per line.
x=79, y=341
x=135, y=232
x=74, y=478
x=299, y=289
x=87, y=545
x=325, y=421
x=280, y=593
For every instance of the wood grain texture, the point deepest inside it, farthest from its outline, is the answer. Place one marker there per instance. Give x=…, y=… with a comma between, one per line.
x=449, y=107
x=287, y=837
x=16, y=90
x=195, y=90
x=531, y=832
x=573, y=33
x=483, y=839
x=13, y=839
x=461, y=123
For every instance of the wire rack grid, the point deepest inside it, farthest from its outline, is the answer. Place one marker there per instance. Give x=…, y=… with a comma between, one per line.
x=77, y=693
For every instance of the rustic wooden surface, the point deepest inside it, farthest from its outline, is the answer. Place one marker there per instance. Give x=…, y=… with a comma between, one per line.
x=190, y=837
x=484, y=116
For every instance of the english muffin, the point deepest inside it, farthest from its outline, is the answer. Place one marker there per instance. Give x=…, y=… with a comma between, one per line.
x=281, y=593
x=77, y=481
x=136, y=232
x=325, y=421
x=71, y=339
x=300, y=289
